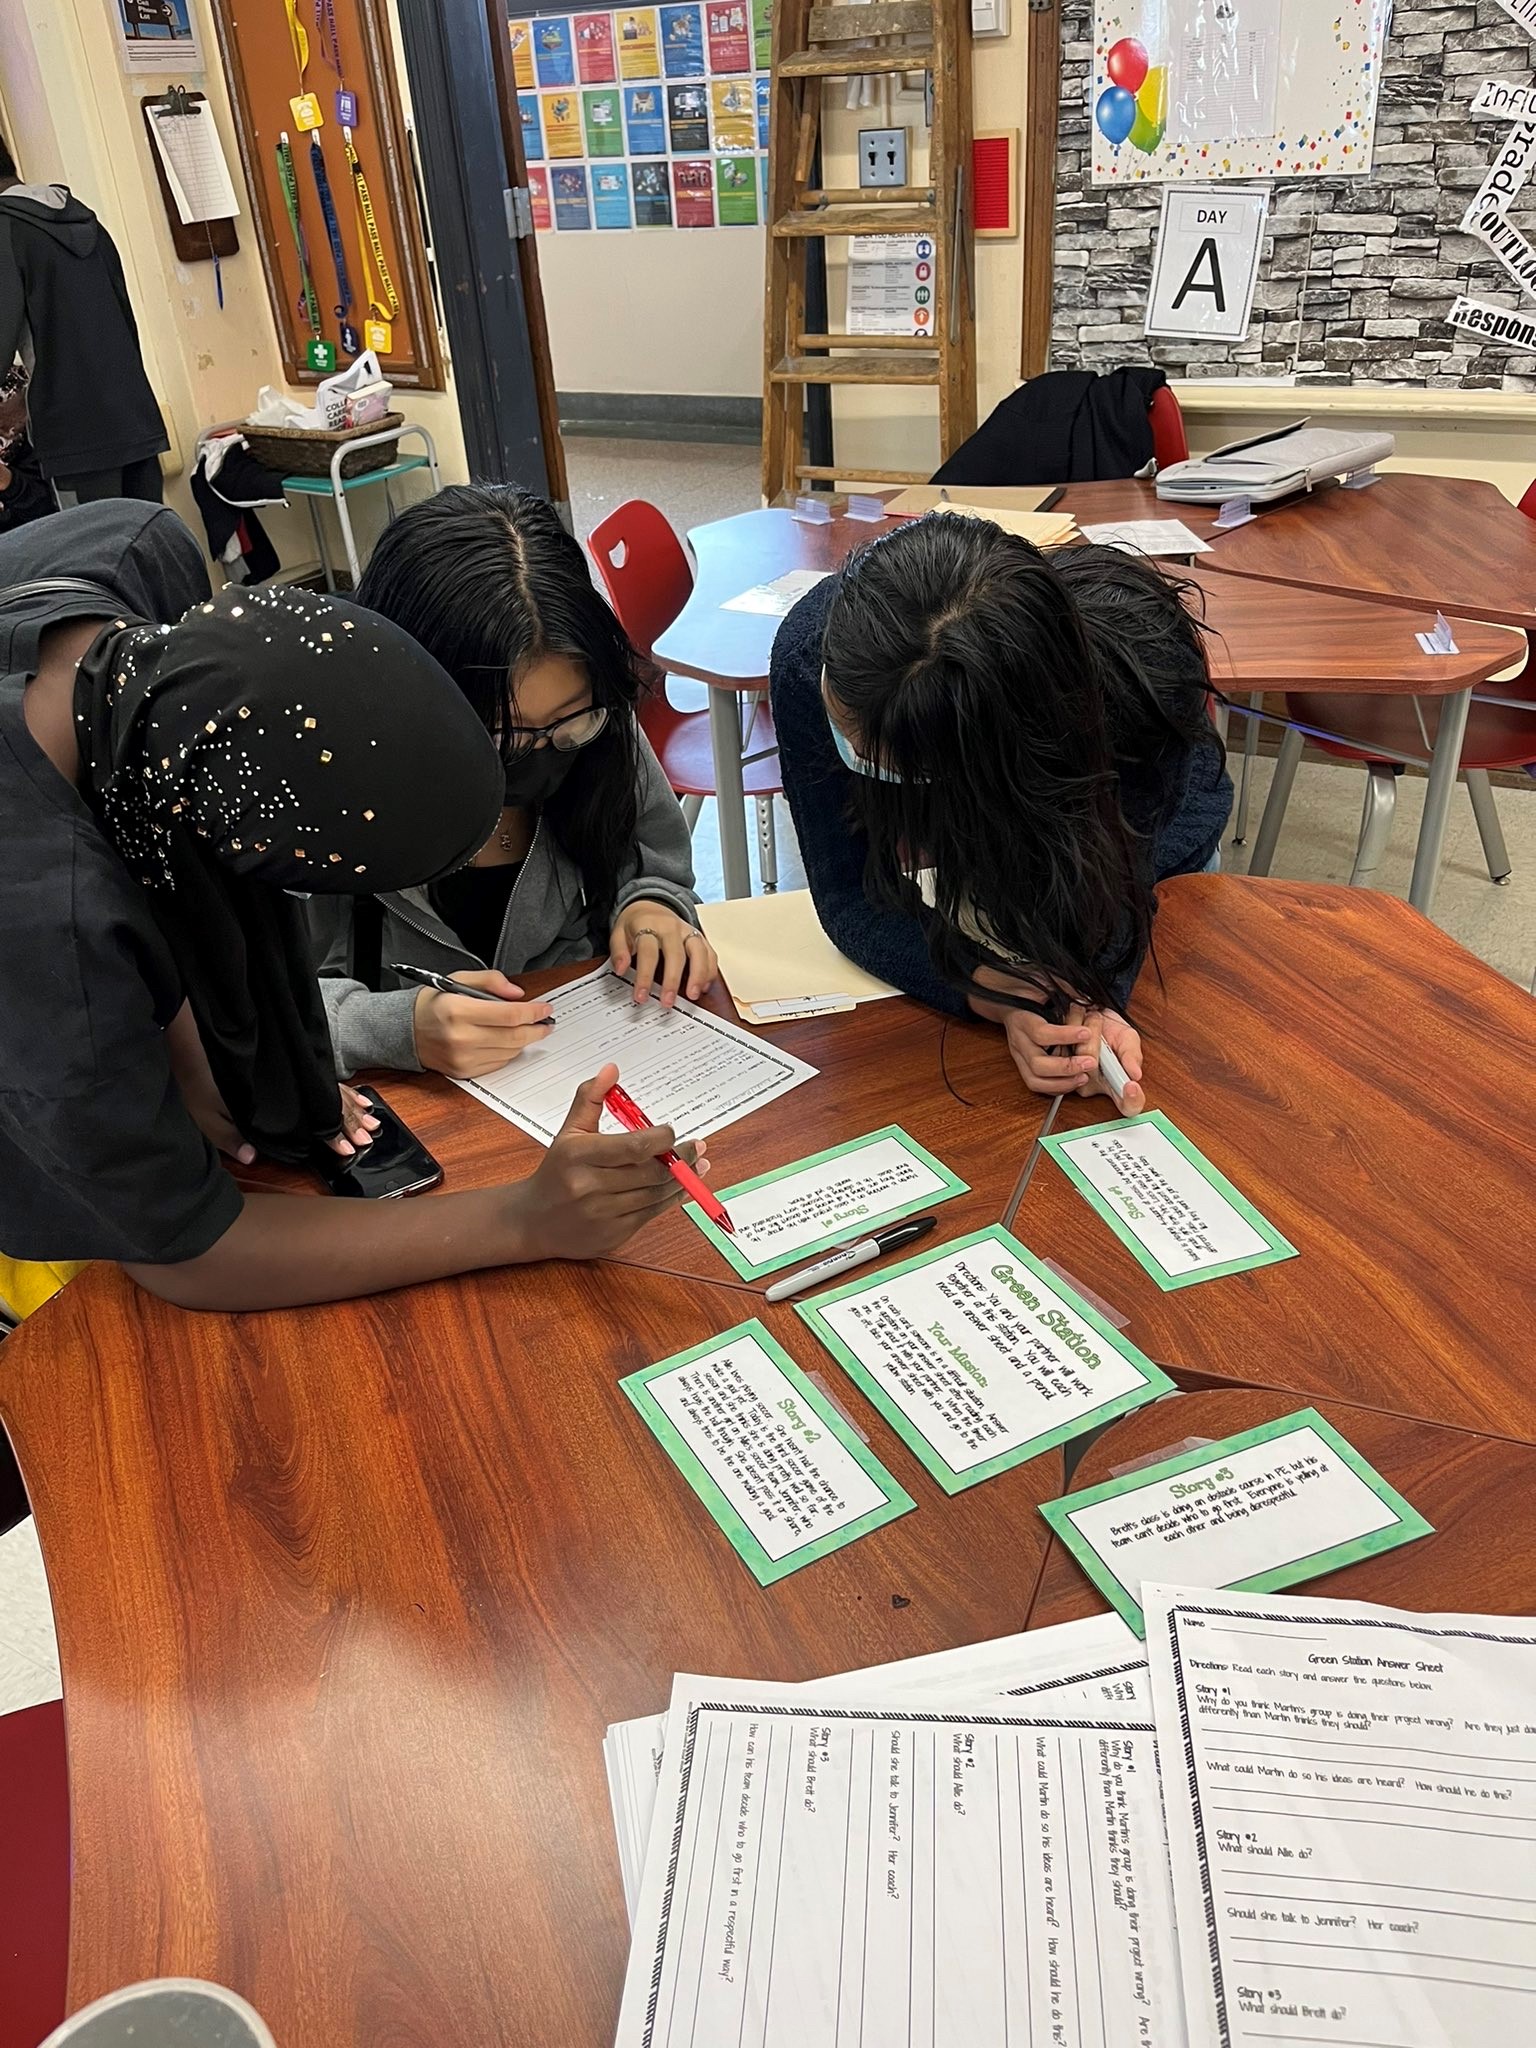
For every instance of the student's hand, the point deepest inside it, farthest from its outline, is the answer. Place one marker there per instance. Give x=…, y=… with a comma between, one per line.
x=463, y=1038
x=591, y=1193
x=1126, y=1045
x=664, y=950
x=358, y=1124
x=1063, y=1059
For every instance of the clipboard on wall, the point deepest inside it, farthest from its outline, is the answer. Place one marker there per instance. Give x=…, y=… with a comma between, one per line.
x=195, y=241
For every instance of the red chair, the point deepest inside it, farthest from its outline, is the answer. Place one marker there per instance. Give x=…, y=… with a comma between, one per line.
x=1501, y=733
x=1170, y=443
x=34, y=1874
x=645, y=573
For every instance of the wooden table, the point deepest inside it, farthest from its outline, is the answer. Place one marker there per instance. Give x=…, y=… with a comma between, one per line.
x=730, y=650
x=1468, y=1486
x=346, y=1596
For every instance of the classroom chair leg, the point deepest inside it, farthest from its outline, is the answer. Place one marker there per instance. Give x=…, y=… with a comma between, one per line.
x=1375, y=822
x=1286, y=764
x=767, y=845
x=690, y=806
x=1489, y=830
x=1250, y=748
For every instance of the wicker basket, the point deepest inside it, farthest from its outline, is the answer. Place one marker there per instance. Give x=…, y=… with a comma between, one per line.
x=307, y=451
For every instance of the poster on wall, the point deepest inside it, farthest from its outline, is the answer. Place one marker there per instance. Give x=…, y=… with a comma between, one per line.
x=533, y=130
x=733, y=116
x=736, y=191
x=595, y=61
x=572, y=209
x=156, y=35
x=562, y=124
x=600, y=118
x=890, y=284
x=1206, y=262
x=730, y=36
x=645, y=122
x=638, y=50
x=682, y=41
x=653, y=196
x=610, y=196
x=1201, y=89
x=688, y=118
x=693, y=187
x=523, y=76
x=764, y=109
x=553, y=57
x=762, y=34
x=538, y=198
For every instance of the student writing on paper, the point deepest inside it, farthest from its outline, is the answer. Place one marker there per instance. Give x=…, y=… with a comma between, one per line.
x=992, y=758
x=167, y=790
x=591, y=851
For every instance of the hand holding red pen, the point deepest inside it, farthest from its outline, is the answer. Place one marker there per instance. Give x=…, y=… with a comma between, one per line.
x=591, y=1192
x=629, y=1113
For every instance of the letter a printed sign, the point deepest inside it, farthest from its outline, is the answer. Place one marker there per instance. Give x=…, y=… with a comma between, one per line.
x=1207, y=261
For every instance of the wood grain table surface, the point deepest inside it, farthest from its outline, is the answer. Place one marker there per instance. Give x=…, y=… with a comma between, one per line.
x=1478, y=1491
x=1440, y=543
x=346, y=1596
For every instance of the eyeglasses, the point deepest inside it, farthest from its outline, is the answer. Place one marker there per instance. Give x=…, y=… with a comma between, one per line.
x=577, y=729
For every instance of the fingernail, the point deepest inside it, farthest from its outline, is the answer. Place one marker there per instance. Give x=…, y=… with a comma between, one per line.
x=246, y=1155
x=343, y=1149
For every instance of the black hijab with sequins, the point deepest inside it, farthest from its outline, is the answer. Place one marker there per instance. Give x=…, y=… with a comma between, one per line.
x=275, y=740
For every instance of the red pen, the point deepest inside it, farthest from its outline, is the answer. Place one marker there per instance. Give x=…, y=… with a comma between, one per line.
x=633, y=1118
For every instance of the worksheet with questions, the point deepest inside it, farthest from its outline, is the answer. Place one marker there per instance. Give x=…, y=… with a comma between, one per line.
x=771, y=1459
x=684, y=1066
x=1351, y=1802
x=1285, y=1501
x=823, y=1873
x=834, y=1197
x=979, y=1357
x=1165, y=1201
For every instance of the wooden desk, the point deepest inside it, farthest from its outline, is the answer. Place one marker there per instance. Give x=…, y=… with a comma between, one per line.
x=1469, y=1486
x=346, y=1599
x=1415, y=543
x=730, y=650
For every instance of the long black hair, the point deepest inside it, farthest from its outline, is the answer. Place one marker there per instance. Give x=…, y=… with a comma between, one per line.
x=488, y=580
x=999, y=686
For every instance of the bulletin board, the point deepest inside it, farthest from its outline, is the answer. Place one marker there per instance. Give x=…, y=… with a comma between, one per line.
x=645, y=117
x=1364, y=259
x=1234, y=88
x=348, y=54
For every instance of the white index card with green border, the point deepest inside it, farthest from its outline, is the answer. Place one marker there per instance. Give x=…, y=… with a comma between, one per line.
x=833, y=1197
x=1174, y=1213
x=979, y=1357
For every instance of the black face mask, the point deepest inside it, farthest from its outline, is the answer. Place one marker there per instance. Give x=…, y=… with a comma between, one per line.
x=533, y=778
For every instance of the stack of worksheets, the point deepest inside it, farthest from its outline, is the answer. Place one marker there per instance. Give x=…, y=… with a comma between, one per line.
x=1279, y=1821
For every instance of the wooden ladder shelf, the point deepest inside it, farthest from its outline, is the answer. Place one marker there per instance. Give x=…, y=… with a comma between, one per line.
x=811, y=44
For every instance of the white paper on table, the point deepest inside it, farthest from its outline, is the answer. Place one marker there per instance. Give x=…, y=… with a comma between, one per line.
x=1090, y=1670
x=188, y=146
x=810, y=1208
x=776, y=600
x=1148, y=537
x=969, y=1365
x=1182, y=1220
x=685, y=1066
x=843, y=1872
x=1351, y=1801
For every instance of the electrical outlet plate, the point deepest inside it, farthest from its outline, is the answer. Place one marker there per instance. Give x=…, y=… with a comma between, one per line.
x=882, y=156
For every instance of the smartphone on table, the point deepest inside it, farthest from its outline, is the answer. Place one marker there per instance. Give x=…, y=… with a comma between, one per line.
x=396, y=1163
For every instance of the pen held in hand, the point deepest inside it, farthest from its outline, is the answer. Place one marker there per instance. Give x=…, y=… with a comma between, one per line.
x=895, y=1238
x=623, y=1106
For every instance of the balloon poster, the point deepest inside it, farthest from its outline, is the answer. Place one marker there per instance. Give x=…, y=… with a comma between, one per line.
x=1233, y=88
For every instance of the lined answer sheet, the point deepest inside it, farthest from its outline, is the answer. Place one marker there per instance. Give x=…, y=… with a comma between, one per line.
x=685, y=1066
x=1351, y=1800
x=1093, y=1670
x=823, y=1874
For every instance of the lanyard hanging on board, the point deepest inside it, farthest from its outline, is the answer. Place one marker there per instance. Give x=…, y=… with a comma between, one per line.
x=383, y=306
x=319, y=354
x=304, y=106
x=330, y=43
x=349, y=341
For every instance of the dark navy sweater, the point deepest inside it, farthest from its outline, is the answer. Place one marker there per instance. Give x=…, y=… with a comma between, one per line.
x=1176, y=797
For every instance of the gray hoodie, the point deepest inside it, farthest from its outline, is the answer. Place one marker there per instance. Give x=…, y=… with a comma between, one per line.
x=546, y=925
